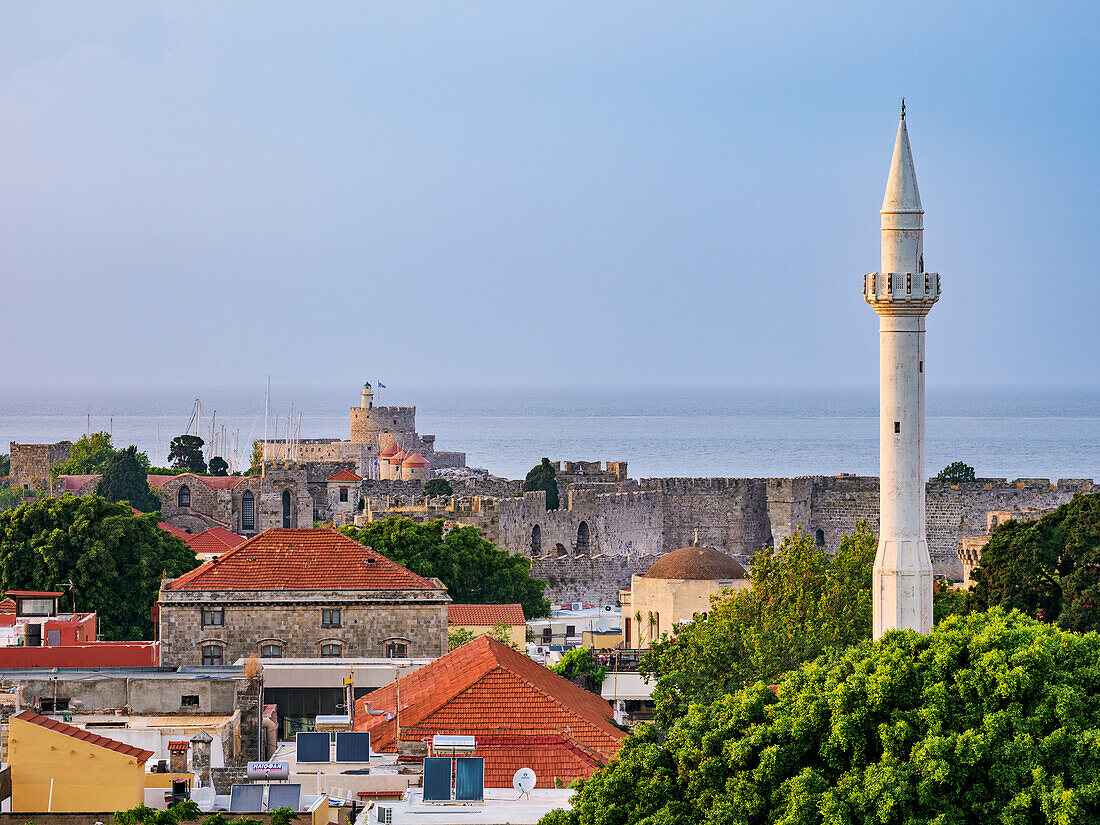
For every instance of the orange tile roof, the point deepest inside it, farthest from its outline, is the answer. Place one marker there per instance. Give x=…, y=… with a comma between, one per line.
x=7, y=605
x=416, y=460
x=301, y=559
x=156, y=482
x=166, y=527
x=214, y=540
x=344, y=475
x=213, y=482
x=142, y=756
x=487, y=690
x=389, y=451
x=485, y=614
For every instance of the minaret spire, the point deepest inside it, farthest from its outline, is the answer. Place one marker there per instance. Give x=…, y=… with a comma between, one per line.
x=902, y=294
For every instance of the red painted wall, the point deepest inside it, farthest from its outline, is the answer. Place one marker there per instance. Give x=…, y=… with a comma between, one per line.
x=93, y=654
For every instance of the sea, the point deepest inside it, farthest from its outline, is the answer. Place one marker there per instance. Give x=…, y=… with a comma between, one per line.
x=1003, y=432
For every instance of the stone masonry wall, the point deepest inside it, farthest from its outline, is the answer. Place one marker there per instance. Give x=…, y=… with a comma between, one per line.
x=595, y=580
x=30, y=463
x=292, y=619
x=730, y=514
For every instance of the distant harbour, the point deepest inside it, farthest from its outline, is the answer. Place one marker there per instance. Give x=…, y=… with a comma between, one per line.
x=1011, y=432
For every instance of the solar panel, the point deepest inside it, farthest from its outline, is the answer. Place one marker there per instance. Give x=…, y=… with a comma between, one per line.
x=470, y=779
x=284, y=796
x=437, y=779
x=246, y=799
x=313, y=747
x=352, y=747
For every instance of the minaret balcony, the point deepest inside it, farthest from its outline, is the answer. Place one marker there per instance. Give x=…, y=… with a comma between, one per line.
x=901, y=293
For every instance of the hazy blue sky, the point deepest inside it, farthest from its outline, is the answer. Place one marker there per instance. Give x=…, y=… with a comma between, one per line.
x=538, y=192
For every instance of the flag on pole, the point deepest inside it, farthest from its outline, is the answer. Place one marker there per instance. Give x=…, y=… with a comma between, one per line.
x=380, y=384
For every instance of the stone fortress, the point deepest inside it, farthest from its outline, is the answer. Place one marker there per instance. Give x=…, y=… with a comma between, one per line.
x=374, y=430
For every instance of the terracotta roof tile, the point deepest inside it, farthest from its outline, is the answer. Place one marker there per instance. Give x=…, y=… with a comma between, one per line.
x=142, y=756
x=301, y=559
x=389, y=451
x=489, y=691
x=215, y=540
x=485, y=614
x=344, y=475
x=7, y=605
x=416, y=460
x=156, y=481
x=213, y=482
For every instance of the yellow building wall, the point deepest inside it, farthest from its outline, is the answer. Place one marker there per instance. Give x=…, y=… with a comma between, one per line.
x=669, y=602
x=85, y=777
x=516, y=633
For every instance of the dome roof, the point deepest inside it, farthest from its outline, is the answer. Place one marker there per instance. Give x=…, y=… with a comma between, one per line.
x=390, y=450
x=415, y=460
x=696, y=563
x=399, y=456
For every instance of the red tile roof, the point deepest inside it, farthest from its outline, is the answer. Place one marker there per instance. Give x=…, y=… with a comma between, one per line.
x=33, y=594
x=91, y=738
x=215, y=540
x=344, y=475
x=73, y=483
x=166, y=527
x=485, y=614
x=519, y=712
x=416, y=460
x=213, y=482
x=156, y=482
x=389, y=451
x=301, y=559
x=7, y=605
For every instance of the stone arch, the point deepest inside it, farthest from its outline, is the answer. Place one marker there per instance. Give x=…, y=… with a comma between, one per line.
x=560, y=551
x=819, y=537
x=183, y=497
x=286, y=508
x=536, y=541
x=584, y=537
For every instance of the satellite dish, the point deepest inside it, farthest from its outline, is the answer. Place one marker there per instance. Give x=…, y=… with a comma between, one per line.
x=204, y=798
x=524, y=781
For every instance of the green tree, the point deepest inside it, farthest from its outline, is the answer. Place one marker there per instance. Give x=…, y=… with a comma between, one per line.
x=802, y=601
x=90, y=455
x=542, y=477
x=580, y=661
x=1049, y=569
x=956, y=473
x=219, y=466
x=990, y=718
x=185, y=453
x=257, y=461
x=5, y=465
x=473, y=569
x=10, y=497
x=114, y=558
x=438, y=487
x=458, y=637
x=124, y=479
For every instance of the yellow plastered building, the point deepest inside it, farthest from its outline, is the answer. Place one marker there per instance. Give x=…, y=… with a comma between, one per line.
x=59, y=767
x=481, y=619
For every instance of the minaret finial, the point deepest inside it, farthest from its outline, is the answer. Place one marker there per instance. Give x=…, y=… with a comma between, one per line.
x=903, y=108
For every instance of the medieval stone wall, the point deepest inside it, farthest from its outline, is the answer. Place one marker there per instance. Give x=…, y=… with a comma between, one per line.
x=730, y=514
x=596, y=580
x=31, y=463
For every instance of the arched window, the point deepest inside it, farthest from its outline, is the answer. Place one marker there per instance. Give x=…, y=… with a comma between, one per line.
x=286, y=508
x=330, y=651
x=559, y=550
x=819, y=537
x=212, y=655
x=397, y=650
x=248, y=511
x=536, y=541
x=582, y=539
x=183, y=498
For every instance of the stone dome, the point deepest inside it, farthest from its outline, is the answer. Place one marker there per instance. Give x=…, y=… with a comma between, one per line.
x=696, y=563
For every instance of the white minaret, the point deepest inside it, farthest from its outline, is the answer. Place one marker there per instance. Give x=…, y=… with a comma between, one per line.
x=902, y=294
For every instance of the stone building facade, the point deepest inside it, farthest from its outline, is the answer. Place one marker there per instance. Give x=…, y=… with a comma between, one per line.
x=31, y=463
x=301, y=593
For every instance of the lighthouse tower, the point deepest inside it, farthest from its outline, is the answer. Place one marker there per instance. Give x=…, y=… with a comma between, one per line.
x=902, y=294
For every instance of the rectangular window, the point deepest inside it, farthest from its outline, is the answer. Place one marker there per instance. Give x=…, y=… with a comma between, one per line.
x=570, y=630
x=213, y=617
x=189, y=701
x=396, y=650
x=271, y=651
x=547, y=635
x=343, y=494
x=211, y=655
x=331, y=651
x=897, y=426
x=330, y=617
x=921, y=367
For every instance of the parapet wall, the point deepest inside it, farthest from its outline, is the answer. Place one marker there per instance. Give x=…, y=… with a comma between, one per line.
x=730, y=514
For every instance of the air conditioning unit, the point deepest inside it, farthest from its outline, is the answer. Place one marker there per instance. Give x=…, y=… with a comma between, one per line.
x=576, y=606
x=385, y=815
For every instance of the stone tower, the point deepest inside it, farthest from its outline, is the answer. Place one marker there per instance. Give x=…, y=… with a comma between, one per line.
x=902, y=294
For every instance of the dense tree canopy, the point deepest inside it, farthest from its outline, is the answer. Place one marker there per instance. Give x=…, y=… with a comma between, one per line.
x=124, y=479
x=219, y=466
x=185, y=453
x=542, y=477
x=473, y=569
x=993, y=718
x=90, y=454
x=956, y=473
x=438, y=487
x=1049, y=569
x=803, y=601
x=114, y=559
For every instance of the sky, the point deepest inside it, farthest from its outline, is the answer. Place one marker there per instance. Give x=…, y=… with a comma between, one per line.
x=519, y=193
